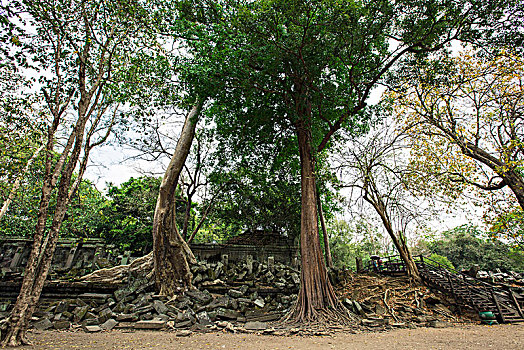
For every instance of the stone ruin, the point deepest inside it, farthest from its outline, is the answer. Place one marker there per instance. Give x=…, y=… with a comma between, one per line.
x=77, y=257
x=238, y=288
x=227, y=294
x=251, y=279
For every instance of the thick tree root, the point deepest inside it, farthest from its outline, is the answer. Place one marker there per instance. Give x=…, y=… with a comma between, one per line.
x=327, y=317
x=12, y=337
x=120, y=274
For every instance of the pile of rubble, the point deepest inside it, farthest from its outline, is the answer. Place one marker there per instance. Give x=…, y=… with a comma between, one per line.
x=394, y=301
x=245, y=296
x=249, y=293
x=142, y=309
x=497, y=276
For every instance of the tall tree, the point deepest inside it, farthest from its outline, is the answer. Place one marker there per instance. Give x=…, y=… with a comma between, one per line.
x=467, y=118
x=468, y=121
x=377, y=166
x=305, y=69
x=171, y=254
x=75, y=46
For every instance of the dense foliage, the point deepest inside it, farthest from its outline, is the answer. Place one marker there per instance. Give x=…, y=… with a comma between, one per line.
x=466, y=246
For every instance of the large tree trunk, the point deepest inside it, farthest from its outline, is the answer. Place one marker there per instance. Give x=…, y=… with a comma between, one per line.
x=171, y=254
x=327, y=249
x=316, y=296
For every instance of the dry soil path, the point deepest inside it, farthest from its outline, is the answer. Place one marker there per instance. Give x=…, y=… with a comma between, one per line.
x=466, y=337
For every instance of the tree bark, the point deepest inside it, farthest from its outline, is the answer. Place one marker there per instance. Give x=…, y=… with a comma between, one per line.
x=171, y=254
x=327, y=249
x=316, y=295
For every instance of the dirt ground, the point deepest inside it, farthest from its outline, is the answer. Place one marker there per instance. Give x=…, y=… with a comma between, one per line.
x=499, y=337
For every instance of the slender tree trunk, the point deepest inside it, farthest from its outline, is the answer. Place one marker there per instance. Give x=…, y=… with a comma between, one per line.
x=171, y=254
x=18, y=180
x=400, y=244
x=43, y=248
x=327, y=249
x=316, y=295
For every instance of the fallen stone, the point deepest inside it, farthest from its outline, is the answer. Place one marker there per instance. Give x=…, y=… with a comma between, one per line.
x=43, y=324
x=201, y=297
x=144, y=309
x=105, y=315
x=109, y=324
x=150, y=324
x=183, y=324
x=162, y=317
x=62, y=324
x=227, y=314
x=183, y=333
x=203, y=318
x=80, y=312
x=397, y=324
x=90, y=322
x=255, y=325
x=235, y=293
x=125, y=325
x=92, y=329
x=222, y=324
x=160, y=307
x=127, y=317
x=369, y=323
x=438, y=324
x=62, y=306
x=260, y=302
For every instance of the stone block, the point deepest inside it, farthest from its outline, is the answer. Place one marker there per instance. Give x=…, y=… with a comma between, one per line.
x=260, y=302
x=43, y=324
x=92, y=329
x=109, y=324
x=226, y=314
x=255, y=325
x=160, y=307
x=79, y=312
x=61, y=324
x=62, y=306
x=235, y=293
x=150, y=324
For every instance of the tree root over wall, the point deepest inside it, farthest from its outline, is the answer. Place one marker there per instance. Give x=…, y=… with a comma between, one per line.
x=120, y=274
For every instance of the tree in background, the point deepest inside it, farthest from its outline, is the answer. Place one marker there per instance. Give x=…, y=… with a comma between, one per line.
x=508, y=225
x=127, y=216
x=21, y=130
x=356, y=239
x=376, y=168
x=466, y=246
x=466, y=118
